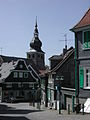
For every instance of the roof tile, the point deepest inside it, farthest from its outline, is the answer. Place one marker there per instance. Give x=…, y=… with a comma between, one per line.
x=85, y=21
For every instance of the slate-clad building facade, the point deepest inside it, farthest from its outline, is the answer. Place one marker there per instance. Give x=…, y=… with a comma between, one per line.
x=62, y=75
x=82, y=57
x=19, y=81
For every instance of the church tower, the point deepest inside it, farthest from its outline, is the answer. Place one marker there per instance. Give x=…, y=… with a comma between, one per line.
x=36, y=53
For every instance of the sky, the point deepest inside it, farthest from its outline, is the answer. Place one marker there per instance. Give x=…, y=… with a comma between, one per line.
x=55, y=18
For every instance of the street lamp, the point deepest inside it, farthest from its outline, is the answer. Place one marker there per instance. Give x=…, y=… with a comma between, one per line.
x=60, y=78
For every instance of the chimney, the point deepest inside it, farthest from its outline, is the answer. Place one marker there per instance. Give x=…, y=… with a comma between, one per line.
x=65, y=50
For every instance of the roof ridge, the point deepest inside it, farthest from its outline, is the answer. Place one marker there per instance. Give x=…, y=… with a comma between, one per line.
x=83, y=16
x=83, y=21
x=62, y=61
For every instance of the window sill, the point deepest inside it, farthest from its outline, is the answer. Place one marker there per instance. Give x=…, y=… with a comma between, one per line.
x=86, y=88
x=86, y=49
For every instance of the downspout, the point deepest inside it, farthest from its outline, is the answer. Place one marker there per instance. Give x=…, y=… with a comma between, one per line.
x=76, y=75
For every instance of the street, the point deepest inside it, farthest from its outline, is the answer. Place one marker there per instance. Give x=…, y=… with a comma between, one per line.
x=22, y=111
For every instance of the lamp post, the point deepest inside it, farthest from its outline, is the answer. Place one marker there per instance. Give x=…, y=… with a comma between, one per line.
x=60, y=78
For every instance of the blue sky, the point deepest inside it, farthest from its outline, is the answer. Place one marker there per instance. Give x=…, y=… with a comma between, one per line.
x=55, y=18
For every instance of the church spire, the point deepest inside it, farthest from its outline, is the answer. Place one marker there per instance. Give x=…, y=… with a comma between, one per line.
x=36, y=53
x=36, y=33
x=36, y=44
x=36, y=22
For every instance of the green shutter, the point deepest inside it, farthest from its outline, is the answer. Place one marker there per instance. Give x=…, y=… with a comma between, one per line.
x=81, y=77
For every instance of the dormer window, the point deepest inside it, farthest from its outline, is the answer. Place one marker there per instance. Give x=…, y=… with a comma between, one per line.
x=86, y=39
x=21, y=66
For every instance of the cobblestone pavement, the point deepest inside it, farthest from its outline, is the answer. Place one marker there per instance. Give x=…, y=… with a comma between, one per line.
x=23, y=111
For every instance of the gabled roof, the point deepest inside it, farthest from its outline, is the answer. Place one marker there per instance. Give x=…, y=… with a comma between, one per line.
x=10, y=58
x=56, y=57
x=85, y=21
x=69, y=52
x=7, y=67
x=5, y=70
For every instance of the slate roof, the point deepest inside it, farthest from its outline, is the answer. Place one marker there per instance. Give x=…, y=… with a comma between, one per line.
x=85, y=21
x=10, y=58
x=69, y=52
x=7, y=67
x=5, y=70
x=56, y=57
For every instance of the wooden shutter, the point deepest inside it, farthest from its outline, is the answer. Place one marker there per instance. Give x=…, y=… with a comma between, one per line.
x=81, y=77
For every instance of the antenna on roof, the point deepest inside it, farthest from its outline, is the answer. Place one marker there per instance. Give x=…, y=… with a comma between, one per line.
x=65, y=35
x=1, y=50
x=65, y=40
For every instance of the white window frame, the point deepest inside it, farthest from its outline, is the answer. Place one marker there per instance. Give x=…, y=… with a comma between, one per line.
x=25, y=74
x=20, y=74
x=85, y=48
x=15, y=75
x=31, y=85
x=19, y=85
x=8, y=85
x=85, y=75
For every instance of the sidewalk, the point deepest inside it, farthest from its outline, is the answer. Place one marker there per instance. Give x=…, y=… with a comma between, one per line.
x=32, y=113
x=51, y=114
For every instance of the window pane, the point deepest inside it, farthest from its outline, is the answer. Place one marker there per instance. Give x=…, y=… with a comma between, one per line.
x=21, y=75
x=26, y=75
x=15, y=74
x=89, y=36
x=85, y=45
x=85, y=37
x=87, y=77
x=21, y=66
x=9, y=85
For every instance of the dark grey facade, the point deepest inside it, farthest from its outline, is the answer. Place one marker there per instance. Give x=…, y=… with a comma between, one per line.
x=19, y=82
x=82, y=47
x=62, y=76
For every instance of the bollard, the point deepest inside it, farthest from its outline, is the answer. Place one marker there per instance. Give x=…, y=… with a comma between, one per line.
x=83, y=109
x=55, y=105
x=68, y=108
x=38, y=105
